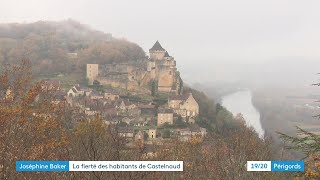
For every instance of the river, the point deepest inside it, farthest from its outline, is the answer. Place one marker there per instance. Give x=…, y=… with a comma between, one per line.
x=241, y=102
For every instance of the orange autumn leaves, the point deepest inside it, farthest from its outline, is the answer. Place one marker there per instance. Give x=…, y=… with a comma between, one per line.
x=30, y=129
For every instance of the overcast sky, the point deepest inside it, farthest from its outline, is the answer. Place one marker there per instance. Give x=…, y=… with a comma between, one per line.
x=212, y=32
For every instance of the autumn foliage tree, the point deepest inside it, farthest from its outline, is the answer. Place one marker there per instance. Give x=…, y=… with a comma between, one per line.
x=30, y=126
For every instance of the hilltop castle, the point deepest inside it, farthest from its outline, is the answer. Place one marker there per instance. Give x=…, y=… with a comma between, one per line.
x=159, y=69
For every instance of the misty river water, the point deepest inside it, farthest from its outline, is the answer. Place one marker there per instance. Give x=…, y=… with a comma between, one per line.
x=241, y=102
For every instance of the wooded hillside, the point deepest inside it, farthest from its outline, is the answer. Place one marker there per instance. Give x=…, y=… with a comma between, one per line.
x=62, y=47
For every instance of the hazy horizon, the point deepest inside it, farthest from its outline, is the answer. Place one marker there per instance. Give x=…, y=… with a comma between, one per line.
x=228, y=40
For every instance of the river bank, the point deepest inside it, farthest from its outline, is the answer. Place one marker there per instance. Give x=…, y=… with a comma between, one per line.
x=241, y=102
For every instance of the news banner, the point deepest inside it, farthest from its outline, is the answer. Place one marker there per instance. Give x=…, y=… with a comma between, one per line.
x=64, y=166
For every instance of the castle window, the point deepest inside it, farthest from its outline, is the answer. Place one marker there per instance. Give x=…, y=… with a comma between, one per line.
x=170, y=72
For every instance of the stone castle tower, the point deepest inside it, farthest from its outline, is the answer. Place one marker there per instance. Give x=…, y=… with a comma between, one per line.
x=92, y=72
x=157, y=52
x=163, y=69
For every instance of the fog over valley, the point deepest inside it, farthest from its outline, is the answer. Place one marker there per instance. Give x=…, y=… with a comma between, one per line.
x=206, y=89
x=278, y=72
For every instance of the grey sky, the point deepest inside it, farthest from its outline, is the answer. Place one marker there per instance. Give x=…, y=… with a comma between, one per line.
x=207, y=31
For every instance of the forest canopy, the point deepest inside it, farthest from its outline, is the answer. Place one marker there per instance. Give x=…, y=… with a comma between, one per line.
x=62, y=47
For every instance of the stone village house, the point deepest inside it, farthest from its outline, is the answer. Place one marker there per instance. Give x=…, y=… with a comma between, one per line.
x=185, y=105
x=165, y=116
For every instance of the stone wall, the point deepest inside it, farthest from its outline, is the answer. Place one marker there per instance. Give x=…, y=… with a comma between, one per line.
x=92, y=72
x=191, y=106
x=157, y=55
x=165, y=118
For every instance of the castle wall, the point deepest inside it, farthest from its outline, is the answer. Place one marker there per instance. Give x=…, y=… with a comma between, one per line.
x=157, y=55
x=166, y=78
x=115, y=83
x=137, y=75
x=152, y=69
x=147, y=79
x=115, y=68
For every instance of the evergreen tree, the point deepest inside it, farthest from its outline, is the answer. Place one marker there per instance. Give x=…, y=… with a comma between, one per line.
x=153, y=88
